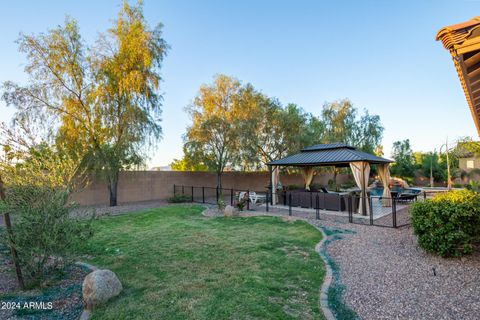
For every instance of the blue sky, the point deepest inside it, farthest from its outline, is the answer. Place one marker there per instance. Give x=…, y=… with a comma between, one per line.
x=380, y=54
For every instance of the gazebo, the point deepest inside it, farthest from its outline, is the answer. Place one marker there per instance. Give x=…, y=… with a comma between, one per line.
x=336, y=155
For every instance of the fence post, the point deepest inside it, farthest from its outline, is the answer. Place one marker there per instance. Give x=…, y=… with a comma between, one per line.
x=317, y=204
x=192, y=194
x=174, y=190
x=216, y=194
x=394, y=213
x=289, y=204
x=248, y=199
x=371, y=210
x=203, y=194
x=424, y=195
x=350, y=208
x=231, y=197
x=183, y=190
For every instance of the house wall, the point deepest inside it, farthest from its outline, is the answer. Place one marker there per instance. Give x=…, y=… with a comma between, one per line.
x=136, y=186
x=462, y=163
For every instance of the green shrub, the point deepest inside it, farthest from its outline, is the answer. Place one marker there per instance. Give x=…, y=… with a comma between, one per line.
x=294, y=187
x=449, y=223
x=348, y=184
x=179, y=198
x=221, y=203
x=473, y=185
x=44, y=232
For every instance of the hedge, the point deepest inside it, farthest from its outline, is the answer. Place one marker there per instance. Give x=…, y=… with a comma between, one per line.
x=449, y=223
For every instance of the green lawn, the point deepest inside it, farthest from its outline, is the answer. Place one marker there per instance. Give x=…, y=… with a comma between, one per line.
x=176, y=264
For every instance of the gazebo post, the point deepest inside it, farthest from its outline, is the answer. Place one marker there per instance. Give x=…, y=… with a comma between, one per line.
x=270, y=185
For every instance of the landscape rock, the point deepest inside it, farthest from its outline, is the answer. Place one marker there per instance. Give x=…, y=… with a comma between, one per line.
x=229, y=211
x=100, y=286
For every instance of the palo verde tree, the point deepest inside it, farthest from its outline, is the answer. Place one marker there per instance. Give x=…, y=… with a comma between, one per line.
x=219, y=114
x=105, y=97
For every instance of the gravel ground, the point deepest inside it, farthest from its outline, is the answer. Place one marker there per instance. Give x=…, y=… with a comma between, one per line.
x=65, y=294
x=122, y=208
x=387, y=276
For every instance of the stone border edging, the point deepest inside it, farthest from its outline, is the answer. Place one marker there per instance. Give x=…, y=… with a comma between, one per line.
x=327, y=281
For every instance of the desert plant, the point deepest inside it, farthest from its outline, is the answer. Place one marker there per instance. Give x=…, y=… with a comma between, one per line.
x=179, y=199
x=242, y=202
x=240, y=205
x=43, y=230
x=449, y=223
x=221, y=204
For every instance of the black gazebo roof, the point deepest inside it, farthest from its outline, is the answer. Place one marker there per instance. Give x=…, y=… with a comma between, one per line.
x=332, y=154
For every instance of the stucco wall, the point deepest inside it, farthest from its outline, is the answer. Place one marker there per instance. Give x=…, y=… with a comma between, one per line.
x=462, y=163
x=156, y=185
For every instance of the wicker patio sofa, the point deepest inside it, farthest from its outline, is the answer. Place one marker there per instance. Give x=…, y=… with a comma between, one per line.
x=327, y=201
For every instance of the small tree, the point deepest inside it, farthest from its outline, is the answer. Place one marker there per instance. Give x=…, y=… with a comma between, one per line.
x=404, y=165
x=187, y=163
x=38, y=181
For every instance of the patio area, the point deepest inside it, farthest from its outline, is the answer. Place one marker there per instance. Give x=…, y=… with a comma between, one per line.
x=333, y=155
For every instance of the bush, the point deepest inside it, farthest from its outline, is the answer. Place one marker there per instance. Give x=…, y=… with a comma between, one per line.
x=294, y=187
x=448, y=224
x=348, y=184
x=221, y=204
x=44, y=232
x=473, y=185
x=179, y=199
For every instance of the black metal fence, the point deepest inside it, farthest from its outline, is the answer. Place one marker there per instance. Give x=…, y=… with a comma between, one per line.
x=380, y=211
x=253, y=199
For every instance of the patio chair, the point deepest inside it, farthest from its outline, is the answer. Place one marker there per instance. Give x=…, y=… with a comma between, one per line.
x=253, y=196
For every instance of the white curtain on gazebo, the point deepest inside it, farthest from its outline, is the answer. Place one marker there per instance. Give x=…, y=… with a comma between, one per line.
x=275, y=183
x=384, y=175
x=307, y=173
x=361, y=172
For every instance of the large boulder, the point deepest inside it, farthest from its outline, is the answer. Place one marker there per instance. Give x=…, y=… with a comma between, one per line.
x=100, y=286
x=229, y=211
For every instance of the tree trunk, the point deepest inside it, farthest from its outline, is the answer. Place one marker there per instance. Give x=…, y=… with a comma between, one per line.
x=219, y=181
x=335, y=172
x=113, y=188
x=8, y=225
